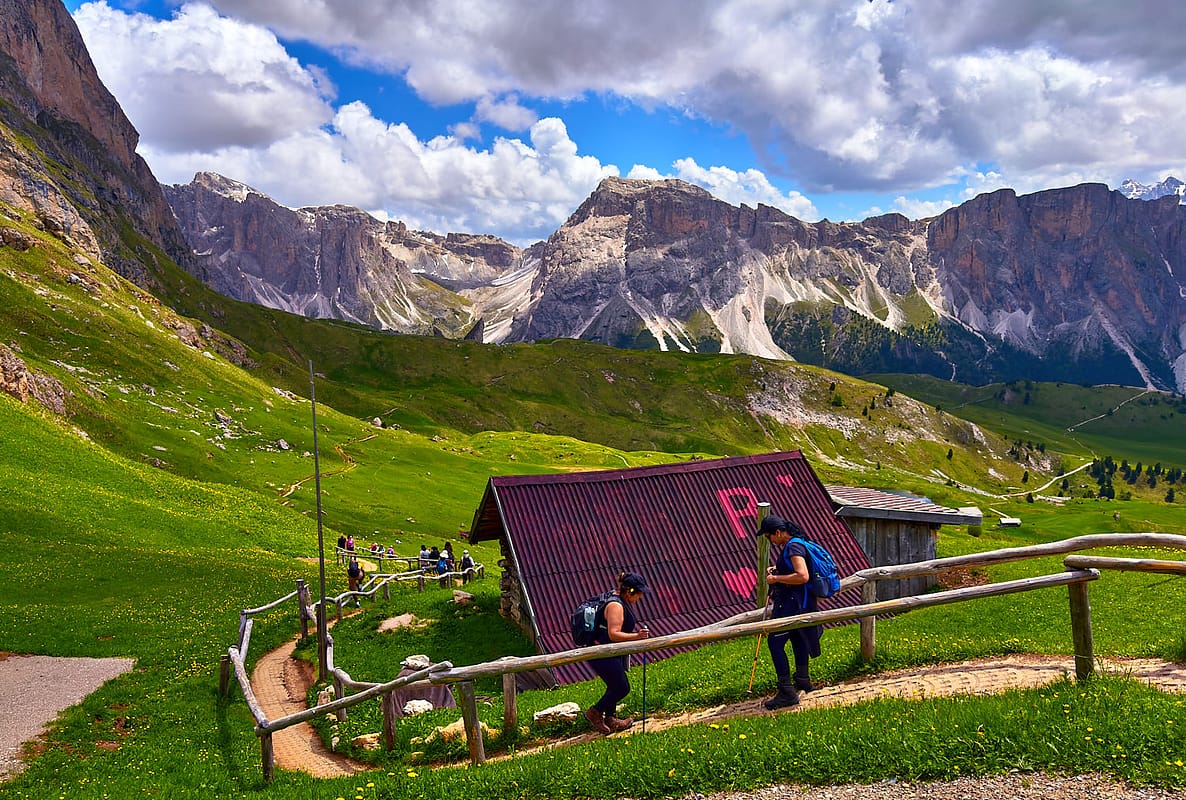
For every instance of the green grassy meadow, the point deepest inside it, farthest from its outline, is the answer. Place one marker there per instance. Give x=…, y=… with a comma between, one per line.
x=177, y=488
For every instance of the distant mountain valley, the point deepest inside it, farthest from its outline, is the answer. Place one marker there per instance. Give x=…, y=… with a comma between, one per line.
x=1082, y=284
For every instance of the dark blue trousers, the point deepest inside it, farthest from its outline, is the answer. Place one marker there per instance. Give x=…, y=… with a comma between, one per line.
x=617, y=685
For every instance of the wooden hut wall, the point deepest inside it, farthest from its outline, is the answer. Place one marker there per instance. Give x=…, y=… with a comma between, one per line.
x=889, y=541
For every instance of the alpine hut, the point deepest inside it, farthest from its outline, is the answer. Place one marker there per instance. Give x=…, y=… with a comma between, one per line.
x=689, y=527
x=897, y=528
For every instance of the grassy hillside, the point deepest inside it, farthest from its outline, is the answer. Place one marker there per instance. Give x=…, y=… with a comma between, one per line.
x=1124, y=422
x=176, y=488
x=109, y=557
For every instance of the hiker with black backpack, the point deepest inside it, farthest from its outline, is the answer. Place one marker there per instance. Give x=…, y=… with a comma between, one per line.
x=354, y=578
x=615, y=621
x=789, y=593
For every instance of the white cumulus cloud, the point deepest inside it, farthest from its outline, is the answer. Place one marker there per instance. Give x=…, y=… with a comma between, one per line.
x=855, y=95
x=200, y=79
x=833, y=96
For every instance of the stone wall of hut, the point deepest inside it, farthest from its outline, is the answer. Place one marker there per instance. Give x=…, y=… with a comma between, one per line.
x=511, y=602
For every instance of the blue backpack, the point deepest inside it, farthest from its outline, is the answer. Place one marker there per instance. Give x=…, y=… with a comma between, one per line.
x=824, y=580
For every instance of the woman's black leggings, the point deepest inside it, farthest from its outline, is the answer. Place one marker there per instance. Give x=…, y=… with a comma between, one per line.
x=617, y=685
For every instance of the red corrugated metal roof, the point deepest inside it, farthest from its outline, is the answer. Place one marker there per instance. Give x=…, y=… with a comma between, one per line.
x=688, y=527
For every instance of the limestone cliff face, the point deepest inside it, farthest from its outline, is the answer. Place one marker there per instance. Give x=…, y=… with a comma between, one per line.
x=334, y=261
x=666, y=264
x=83, y=180
x=1077, y=284
x=1070, y=284
x=48, y=52
x=1082, y=272
x=1073, y=284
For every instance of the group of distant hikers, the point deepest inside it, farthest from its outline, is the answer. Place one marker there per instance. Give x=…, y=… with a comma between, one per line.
x=439, y=561
x=610, y=617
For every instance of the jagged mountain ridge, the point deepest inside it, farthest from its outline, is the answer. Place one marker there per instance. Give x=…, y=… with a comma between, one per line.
x=334, y=262
x=1076, y=284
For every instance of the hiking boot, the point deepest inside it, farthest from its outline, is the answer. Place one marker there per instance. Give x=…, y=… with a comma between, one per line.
x=597, y=719
x=787, y=696
x=804, y=684
x=616, y=724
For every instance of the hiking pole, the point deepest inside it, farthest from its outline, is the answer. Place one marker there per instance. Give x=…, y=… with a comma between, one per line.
x=644, y=687
x=754, y=667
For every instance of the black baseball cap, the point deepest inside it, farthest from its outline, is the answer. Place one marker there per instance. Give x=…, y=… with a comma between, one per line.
x=774, y=523
x=632, y=580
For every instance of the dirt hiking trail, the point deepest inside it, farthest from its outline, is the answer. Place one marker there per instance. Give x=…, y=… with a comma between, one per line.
x=281, y=683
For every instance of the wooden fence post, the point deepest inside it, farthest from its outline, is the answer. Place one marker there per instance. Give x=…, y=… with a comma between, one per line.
x=473, y=726
x=868, y=624
x=224, y=675
x=386, y=590
x=269, y=761
x=510, y=702
x=388, y=704
x=420, y=581
x=302, y=609
x=1081, y=630
x=339, y=693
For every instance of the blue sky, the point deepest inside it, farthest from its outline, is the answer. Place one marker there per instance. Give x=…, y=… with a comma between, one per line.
x=501, y=116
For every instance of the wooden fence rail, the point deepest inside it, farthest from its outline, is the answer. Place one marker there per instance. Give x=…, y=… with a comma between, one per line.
x=1079, y=572
x=867, y=579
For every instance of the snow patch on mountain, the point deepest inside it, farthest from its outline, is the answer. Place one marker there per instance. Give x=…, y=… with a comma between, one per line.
x=1139, y=191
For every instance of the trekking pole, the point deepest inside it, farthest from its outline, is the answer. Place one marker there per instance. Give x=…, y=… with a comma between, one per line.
x=754, y=667
x=644, y=692
x=645, y=627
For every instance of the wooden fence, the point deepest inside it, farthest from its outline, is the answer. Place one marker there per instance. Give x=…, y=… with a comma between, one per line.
x=1078, y=572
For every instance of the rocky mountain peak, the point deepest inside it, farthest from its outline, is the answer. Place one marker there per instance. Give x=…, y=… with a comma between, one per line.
x=43, y=41
x=224, y=186
x=619, y=197
x=1139, y=191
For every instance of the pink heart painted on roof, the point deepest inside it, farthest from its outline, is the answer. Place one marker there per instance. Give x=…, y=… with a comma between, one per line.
x=742, y=582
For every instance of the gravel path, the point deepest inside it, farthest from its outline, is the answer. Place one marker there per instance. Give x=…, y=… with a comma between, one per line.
x=35, y=689
x=280, y=683
x=1023, y=786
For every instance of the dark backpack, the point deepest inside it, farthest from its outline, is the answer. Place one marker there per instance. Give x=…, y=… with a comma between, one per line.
x=587, y=616
x=824, y=580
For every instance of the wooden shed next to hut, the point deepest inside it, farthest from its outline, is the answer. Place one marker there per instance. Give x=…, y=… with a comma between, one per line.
x=689, y=527
x=895, y=528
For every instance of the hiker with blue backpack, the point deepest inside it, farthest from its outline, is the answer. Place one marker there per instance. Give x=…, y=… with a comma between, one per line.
x=788, y=580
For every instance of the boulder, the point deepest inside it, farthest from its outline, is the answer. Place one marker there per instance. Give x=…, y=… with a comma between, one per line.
x=413, y=707
x=565, y=712
x=368, y=741
x=418, y=661
x=455, y=731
